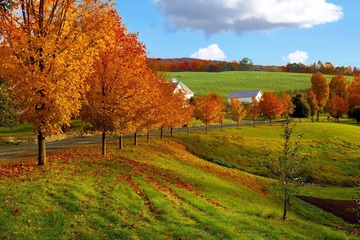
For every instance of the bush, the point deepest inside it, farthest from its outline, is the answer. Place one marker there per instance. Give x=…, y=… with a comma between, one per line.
x=218, y=161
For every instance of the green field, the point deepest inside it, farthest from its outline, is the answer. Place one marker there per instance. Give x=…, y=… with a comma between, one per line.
x=159, y=190
x=223, y=83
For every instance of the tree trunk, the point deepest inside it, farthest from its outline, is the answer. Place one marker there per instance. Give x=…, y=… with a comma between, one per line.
x=206, y=128
x=300, y=120
x=135, y=139
x=317, y=116
x=161, y=133
x=187, y=128
x=41, y=149
x=103, y=143
x=171, y=131
x=221, y=127
x=270, y=121
x=237, y=124
x=121, y=144
x=148, y=136
x=286, y=200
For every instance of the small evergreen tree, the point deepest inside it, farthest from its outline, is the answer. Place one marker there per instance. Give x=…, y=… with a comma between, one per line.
x=356, y=114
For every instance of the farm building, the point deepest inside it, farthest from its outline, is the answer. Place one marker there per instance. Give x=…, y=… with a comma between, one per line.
x=246, y=96
x=179, y=86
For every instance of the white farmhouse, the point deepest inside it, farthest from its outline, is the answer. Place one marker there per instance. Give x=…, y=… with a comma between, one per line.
x=246, y=96
x=179, y=86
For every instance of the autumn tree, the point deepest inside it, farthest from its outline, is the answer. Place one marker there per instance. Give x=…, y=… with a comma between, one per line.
x=50, y=47
x=237, y=110
x=311, y=100
x=337, y=107
x=320, y=89
x=207, y=108
x=271, y=106
x=354, y=94
x=288, y=105
x=338, y=86
x=253, y=109
x=115, y=81
x=301, y=109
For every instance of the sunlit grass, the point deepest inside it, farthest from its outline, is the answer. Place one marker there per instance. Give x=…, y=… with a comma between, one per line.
x=155, y=190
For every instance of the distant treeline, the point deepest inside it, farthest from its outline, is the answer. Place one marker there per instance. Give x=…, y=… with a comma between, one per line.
x=199, y=65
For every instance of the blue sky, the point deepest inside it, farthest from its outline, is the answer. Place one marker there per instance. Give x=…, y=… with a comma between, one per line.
x=269, y=32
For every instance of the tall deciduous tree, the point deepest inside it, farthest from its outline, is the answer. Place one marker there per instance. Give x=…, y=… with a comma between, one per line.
x=288, y=105
x=207, y=108
x=51, y=46
x=311, y=100
x=337, y=107
x=271, y=106
x=237, y=110
x=253, y=109
x=320, y=88
x=338, y=86
x=354, y=94
x=115, y=81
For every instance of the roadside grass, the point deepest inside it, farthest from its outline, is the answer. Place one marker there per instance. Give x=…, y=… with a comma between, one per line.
x=155, y=190
x=331, y=149
x=229, y=81
x=22, y=130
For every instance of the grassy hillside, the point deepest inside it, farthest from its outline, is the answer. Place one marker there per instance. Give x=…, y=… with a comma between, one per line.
x=155, y=190
x=332, y=150
x=225, y=82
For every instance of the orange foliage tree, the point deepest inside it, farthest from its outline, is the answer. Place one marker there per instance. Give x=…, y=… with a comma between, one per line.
x=115, y=81
x=288, y=105
x=320, y=89
x=338, y=86
x=337, y=107
x=253, y=110
x=271, y=106
x=311, y=100
x=207, y=108
x=237, y=110
x=50, y=47
x=354, y=93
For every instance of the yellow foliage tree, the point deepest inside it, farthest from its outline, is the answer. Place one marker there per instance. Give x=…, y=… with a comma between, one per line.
x=237, y=110
x=338, y=86
x=253, y=109
x=50, y=47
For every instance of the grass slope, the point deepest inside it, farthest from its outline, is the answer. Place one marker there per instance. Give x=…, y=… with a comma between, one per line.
x=223, y=83
x=156, y=190
x=332, y=156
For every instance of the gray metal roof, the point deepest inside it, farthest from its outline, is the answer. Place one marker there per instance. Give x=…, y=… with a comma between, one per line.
x=244, y=94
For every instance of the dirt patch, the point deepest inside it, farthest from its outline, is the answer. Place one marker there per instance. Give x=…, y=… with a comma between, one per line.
x=339, y=208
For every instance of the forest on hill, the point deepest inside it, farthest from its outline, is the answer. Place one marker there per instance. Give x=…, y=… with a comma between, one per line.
x=245, y=64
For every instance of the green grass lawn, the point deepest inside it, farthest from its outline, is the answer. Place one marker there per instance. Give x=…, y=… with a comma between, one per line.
x=331, y=149
x=160, y=190
x=223, y=83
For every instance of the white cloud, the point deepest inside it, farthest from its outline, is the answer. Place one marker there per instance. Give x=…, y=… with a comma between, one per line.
x=212, y=52
x=297, y=57
x=213, y=16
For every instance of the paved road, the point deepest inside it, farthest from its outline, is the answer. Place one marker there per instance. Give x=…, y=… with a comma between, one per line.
x=30, y=150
